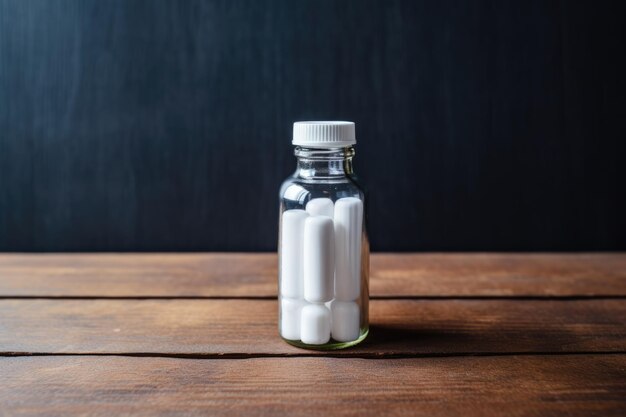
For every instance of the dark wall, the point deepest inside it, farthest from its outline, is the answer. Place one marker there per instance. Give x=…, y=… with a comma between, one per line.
x=165, y=125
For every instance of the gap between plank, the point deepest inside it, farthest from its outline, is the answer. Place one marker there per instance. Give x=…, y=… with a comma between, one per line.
x=346, y=355
x=273, y=297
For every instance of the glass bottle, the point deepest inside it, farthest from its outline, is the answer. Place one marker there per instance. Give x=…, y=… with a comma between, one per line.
x=323, y=245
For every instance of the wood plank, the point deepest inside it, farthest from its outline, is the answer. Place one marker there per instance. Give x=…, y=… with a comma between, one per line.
x=545, y=274
x=579, y=385
x=248, y=327
x=155, y=274
x=254, y=275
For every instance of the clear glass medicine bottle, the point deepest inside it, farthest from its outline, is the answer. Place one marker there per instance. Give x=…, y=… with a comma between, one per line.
x=323, y=245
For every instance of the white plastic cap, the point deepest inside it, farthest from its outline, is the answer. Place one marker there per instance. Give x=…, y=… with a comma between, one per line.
x=323, y=134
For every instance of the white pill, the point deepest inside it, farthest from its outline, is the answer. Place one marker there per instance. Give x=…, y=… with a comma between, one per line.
x=348, y=219
x=320, y=207
x=345, y=321
x=319, y=259
x=315, y=324
x=290, y=311
x=291, y=246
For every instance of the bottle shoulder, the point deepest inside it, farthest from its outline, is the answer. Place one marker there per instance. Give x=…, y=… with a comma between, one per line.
x=299, y=190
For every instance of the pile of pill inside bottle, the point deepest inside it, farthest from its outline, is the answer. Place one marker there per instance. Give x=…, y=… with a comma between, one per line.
x=320, y=261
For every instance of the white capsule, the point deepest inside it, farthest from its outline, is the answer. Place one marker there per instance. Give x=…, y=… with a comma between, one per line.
x=290, y=311
x=320, y=207
x=319, y=259
x=291, y=246
x=348, y=220
x=315, y=324
x=345, y=321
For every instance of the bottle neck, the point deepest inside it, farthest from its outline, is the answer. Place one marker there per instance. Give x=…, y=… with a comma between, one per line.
x=324, y=163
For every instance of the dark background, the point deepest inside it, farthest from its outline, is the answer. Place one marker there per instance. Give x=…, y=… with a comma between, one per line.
x=165, y=125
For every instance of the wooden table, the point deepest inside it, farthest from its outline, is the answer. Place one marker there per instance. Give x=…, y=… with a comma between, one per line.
x=196, y=334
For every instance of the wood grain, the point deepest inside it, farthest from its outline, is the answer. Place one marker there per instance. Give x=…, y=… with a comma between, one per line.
x=509, y=353
x=580, y=385
x=499, y=275
x=254, y=275
x=138, y=275
x=248, y=327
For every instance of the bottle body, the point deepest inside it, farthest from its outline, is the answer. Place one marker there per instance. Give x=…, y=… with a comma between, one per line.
x=323, y=252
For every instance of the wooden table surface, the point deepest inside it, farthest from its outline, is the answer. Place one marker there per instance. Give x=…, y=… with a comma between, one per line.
x=196, y=334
